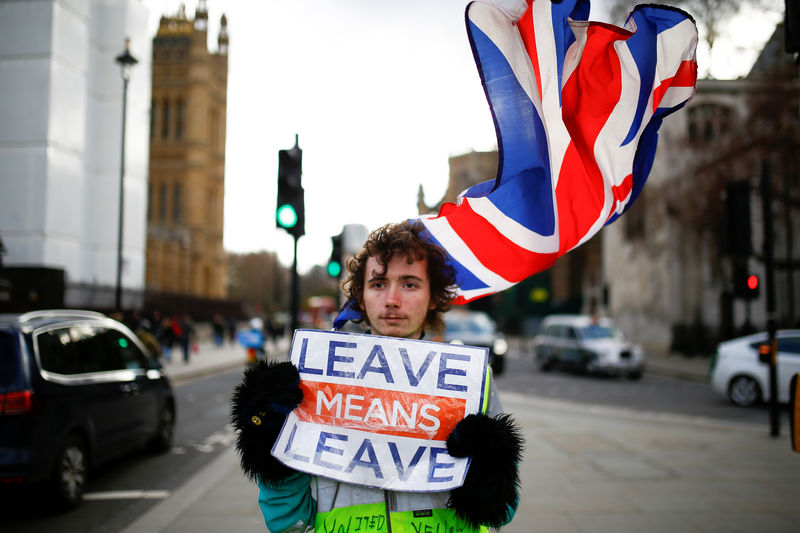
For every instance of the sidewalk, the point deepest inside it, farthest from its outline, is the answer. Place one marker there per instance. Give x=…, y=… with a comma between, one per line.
x=210, y=359
x=678, y=366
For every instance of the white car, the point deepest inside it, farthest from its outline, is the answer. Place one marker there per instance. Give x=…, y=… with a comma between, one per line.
x=737, y=373
x=586, y=344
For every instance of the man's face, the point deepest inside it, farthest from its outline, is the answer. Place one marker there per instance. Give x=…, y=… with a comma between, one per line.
x=397, y=301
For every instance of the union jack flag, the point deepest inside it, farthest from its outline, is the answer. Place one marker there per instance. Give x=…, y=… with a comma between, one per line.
x=576, y=106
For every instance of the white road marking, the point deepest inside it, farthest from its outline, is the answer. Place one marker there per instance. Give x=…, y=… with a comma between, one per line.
x=127, y=495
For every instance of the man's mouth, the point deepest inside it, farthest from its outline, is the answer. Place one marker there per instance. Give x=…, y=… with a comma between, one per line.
x=392, y=317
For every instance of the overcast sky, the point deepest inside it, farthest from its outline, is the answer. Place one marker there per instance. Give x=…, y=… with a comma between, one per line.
x=380, y=93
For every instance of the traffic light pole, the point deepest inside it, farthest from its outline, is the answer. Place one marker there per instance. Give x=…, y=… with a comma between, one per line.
x=294, y=302
x=769, y=278
x=290, y=214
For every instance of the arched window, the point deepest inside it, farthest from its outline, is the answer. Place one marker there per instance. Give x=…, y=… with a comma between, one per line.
x=176, y=203
x=152, y=119
x=165, y=119
x=708, y=122
x=162, y=202
x=149, y=201
x=179, y=118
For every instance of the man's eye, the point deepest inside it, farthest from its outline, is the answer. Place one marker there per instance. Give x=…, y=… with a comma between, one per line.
x=410, y=285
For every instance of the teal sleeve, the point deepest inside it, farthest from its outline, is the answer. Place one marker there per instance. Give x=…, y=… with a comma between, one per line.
x=288, y=506
x=511, y=510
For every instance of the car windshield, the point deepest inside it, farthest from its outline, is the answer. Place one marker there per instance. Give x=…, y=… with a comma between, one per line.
x=596, y=331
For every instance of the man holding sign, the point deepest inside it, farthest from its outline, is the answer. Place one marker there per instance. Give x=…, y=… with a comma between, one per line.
x=340, y=478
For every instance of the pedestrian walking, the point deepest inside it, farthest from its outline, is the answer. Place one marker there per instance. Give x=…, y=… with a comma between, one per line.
x=218, y=330
x=232, y=330
x=185, y=333
x=166, y=336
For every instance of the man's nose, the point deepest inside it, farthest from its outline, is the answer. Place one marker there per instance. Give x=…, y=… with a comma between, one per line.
x=393, y=296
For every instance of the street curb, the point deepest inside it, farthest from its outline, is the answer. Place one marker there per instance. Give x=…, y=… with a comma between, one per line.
x=676, y=373
x=183, y=377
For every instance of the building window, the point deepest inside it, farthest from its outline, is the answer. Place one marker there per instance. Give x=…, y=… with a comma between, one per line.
x=149, y=201
x=214, y=125
x=179, y=118
x=709, y=121
x=162, y=203
x=708, y=132
x=152, y=118
x=165, y=119
x=634, y=219
x=211, y=208
x=176, y=203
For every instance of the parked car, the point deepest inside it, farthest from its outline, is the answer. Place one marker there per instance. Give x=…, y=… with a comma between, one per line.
x=476, y=328
x=737, y=373
x=76, y=389
x=586, y=344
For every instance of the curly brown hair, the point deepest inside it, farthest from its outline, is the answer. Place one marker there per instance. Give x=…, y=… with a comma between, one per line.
x=403, y=238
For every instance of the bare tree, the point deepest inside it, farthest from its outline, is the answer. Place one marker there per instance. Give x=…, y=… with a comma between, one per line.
x=259, y=279
x=712, y=15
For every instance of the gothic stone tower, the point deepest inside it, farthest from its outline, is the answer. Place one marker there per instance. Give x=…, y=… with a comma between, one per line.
x=187, y=158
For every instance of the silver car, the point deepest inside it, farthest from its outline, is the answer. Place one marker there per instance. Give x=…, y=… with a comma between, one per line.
x=586, y=344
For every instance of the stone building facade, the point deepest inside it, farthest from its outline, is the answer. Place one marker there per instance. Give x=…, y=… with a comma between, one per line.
x=185, y=254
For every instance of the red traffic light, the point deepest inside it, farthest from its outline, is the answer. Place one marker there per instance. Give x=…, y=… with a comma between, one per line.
x=745, y=285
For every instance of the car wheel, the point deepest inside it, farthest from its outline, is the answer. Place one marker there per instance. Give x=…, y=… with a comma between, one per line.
x=744, y=391
x=70, y=473
x=498, y=365
x=162, y=441
x=545, y=363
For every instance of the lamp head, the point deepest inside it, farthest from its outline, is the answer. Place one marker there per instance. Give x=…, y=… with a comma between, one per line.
x=126, y=60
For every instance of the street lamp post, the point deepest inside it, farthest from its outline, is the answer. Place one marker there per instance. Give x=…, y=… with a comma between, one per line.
x=125, y=61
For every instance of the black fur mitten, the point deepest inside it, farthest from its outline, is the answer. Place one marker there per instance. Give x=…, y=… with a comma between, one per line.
x=268, y=392
x=492, y=482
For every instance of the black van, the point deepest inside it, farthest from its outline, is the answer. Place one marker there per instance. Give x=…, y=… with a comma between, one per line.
x=76, y=389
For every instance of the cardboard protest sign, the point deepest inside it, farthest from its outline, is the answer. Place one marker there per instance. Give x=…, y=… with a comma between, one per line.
x=377, y=411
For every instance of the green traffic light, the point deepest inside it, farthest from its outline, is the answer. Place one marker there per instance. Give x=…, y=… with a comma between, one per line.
x=334, y=269
x=287, y=216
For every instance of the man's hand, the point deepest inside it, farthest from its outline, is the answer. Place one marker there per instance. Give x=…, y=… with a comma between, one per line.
x=489, y=491
x=269, y=391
